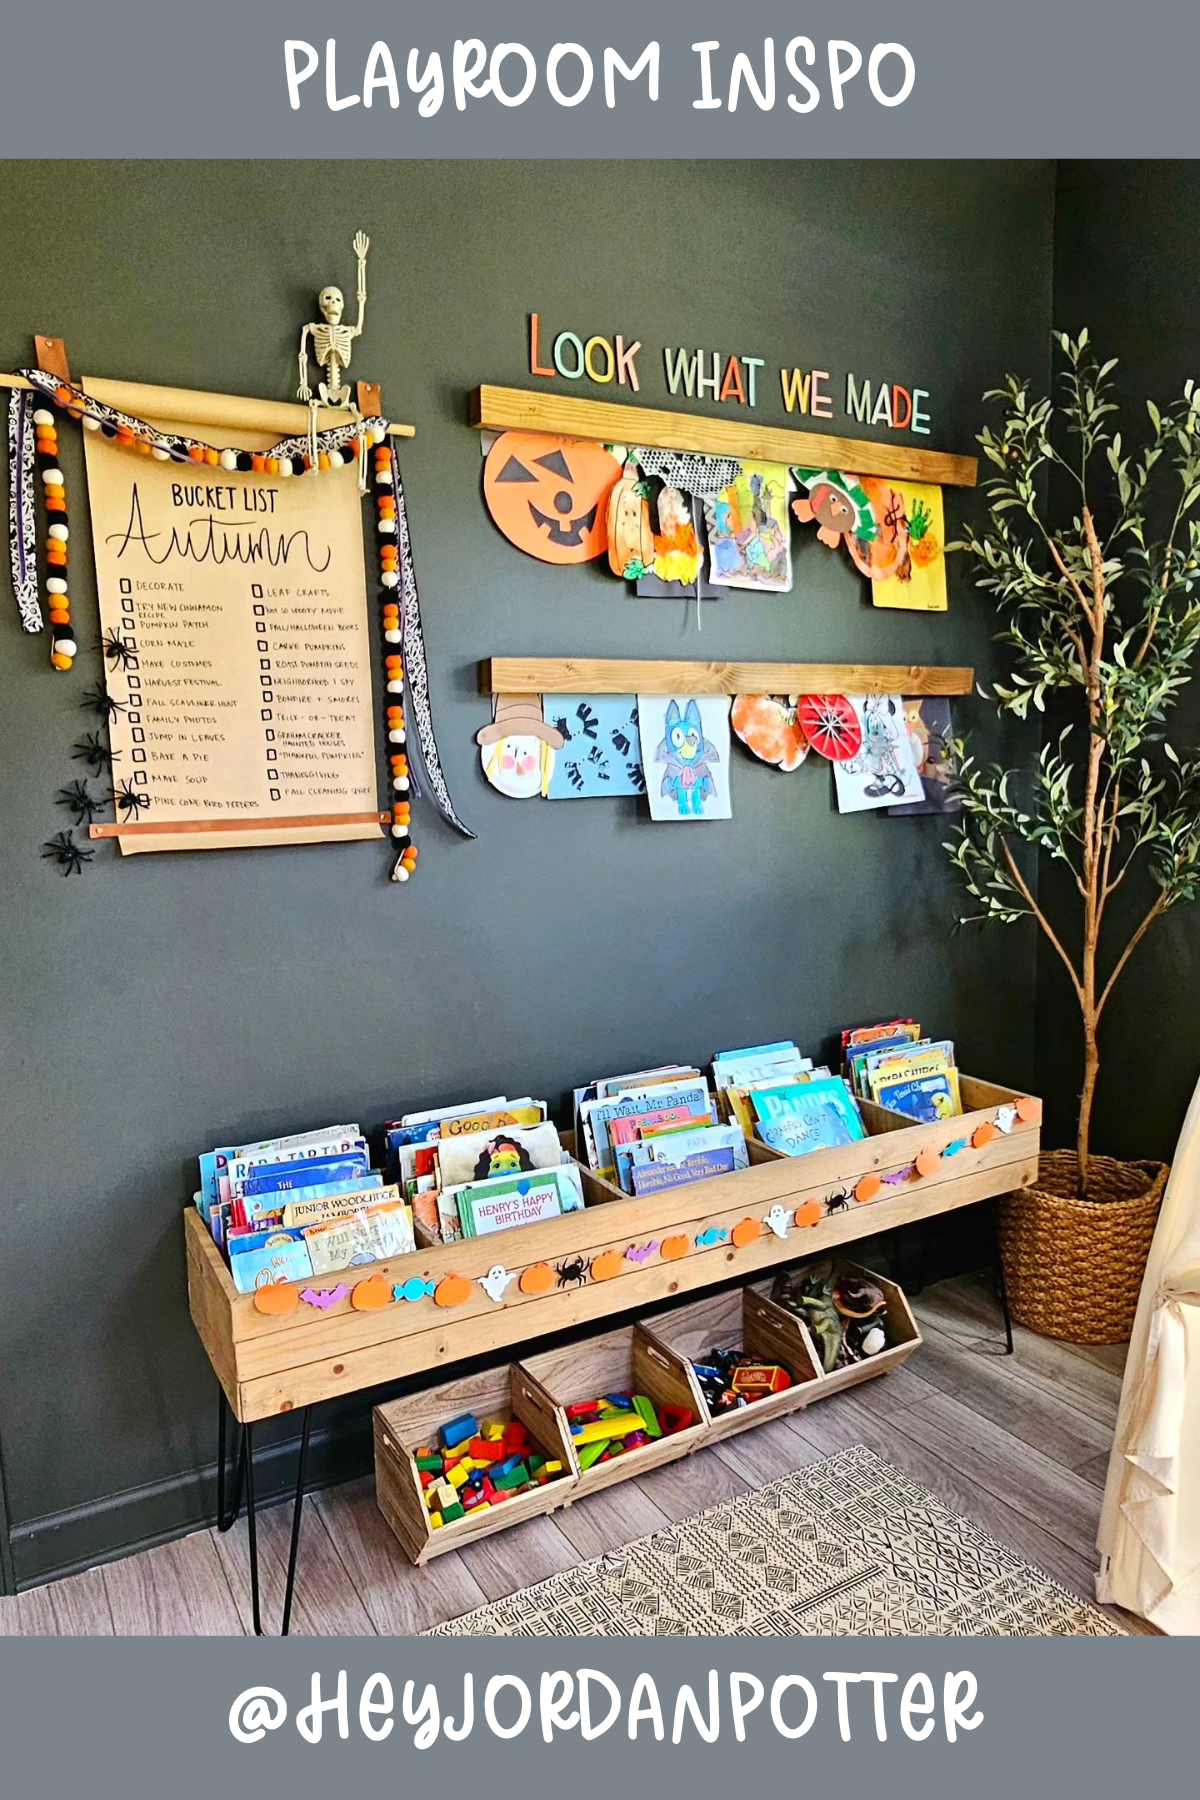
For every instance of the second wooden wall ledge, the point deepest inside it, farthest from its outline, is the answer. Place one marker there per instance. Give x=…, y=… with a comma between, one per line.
x=582, y=675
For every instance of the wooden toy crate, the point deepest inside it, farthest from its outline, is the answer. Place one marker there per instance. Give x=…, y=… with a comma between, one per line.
x=403, y=1426
x=614, y=1256
x=903, y=1332
x=745, y=1318
x=627, y=1361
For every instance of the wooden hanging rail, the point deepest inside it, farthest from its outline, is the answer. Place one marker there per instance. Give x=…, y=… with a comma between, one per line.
x=583, y=675
x=519, y=409
x=237, y=412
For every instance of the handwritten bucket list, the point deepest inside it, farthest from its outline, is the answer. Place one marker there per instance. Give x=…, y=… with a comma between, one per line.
x=234, y=614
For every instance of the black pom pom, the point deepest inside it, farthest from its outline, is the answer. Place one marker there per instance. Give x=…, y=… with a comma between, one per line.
x=107, y=429
x=297, y=465
x=245, y=461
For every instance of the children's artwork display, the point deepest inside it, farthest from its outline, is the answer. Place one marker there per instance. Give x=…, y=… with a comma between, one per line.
x=895, y=532
x=630, y=534
x=838, y=505
x=517, y=750
x=930, y=727
x=549, y=495
x=601, y=752
x=832, y=725
x=883, y=771
x=677, y=553
x=747, y=525
x=688, y=776
x=919, y=581
x=769, y=726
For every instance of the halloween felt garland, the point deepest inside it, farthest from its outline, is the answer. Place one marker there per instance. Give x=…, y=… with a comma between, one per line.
x=33, y=448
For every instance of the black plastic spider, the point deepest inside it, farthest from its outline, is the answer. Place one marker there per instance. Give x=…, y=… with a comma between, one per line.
x=119, y=653
x=82, y=802
x=70, y=856
x=95, y=753
x=129, y=801
x=573, y=1271
x=102, y=704
x=837, y=1203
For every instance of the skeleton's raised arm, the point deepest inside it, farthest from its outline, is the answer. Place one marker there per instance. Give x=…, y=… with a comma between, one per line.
x=304, y=392
x=362, y=244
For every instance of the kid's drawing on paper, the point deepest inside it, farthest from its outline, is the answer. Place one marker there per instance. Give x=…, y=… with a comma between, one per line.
x=747, y=525
x=601, y=746
x=883, y=771
x=692, y=737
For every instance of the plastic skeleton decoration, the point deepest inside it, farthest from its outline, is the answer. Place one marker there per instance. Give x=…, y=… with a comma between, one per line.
x=332, y=344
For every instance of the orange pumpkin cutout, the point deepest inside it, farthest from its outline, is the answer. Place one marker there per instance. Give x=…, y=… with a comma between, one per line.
x=548, y=495
x=276, y=1298
x=746, y=1231
x=371, y=1295
x=867, y=1187
x=672, y=1248
x=1029, y=1109
x=810, y=1213
x=538, y=1278
x=927, y=1162
x=983, y=1134
x=607, y=1265
x=451, y=1290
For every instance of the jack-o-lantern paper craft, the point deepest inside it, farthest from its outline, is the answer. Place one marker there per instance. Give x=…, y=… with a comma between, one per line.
x=549, y=495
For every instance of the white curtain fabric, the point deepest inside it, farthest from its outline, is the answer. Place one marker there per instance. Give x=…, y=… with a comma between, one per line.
x=1150, y=1527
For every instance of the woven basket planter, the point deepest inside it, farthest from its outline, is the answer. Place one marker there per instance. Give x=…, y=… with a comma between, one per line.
x=1074, y=1267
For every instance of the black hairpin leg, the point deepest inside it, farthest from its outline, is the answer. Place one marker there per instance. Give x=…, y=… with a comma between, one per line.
x=252, y=1528
x=224, y=1519
x=998, y=1279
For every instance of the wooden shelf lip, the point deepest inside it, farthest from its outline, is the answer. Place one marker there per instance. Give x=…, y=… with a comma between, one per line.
x=606, y=422
x=583, y=675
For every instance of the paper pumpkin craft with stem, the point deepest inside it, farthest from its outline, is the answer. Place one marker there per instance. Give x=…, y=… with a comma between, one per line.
x=518, y=748
x=838, y=505
x=769, y=726
x=631, y=543
x=549, y=495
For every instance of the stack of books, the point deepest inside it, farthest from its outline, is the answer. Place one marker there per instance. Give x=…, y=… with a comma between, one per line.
x=775, y=1093
x=654, y=1129
x=293, y=1207
x=468, y=1170
x=895, y=1065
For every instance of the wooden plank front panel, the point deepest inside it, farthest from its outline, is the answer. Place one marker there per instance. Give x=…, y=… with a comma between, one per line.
x=606, y=675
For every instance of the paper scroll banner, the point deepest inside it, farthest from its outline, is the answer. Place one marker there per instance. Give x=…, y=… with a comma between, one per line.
x=242, y=601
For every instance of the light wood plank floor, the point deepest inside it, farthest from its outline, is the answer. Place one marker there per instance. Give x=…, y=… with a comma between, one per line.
x=1020, y=1444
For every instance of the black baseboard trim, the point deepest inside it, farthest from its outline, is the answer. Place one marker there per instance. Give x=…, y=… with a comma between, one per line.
x=64, y=1543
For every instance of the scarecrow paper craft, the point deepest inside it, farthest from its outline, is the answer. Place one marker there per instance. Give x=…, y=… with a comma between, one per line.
x=602, y=748
x=747, y=525
x=688, y=778
x=518, y=748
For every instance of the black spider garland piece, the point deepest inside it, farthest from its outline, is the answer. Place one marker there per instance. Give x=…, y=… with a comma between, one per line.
x=129, y=801
x=95, y=753
x=82, y=802
x=102, y=704
x=119, y=653
x=70, y=857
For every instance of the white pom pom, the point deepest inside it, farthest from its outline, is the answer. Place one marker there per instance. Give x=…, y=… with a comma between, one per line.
x=395, y=687
x=399, y=831
x=52, y=477
x=66, y=647
x=162, y=450
x=387, y=527
x=383, y=478
x=285, y=467
x=390, y=578
x=393, y=637
x=56, y=585
x=398, y=736
x=229, y=459
x=43, y=416
x=400, y=783
x=89, y=423
x=399, y=873
x=60, y=532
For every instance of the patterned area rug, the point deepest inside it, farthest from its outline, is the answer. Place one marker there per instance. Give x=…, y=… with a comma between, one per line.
x=848, y=1546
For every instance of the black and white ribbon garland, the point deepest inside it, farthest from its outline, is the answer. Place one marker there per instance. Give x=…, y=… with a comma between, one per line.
x=174, y=447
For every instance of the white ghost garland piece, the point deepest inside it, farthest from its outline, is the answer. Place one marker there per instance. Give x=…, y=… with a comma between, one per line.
x=495, y=1282
x=1006, y=1118
x=778, y=1220
x=332, y=344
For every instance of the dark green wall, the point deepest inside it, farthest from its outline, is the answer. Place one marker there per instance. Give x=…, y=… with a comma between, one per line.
x=1127, y=265
x=162, y=1005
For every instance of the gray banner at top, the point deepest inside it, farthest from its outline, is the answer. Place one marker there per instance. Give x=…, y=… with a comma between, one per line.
x=1029, y=77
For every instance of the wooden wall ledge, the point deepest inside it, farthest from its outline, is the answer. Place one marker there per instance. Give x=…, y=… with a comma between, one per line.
x=581, y=675
x=604, y=421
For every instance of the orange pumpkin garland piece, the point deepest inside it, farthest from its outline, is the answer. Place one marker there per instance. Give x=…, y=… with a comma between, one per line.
x=867, y=1187
x=811, y=1212
x=276, y=1298
x=983, y=1134
x=926, y=1162
x=672, y=1248
x=746, y=1231
x=1029, y=1109
x=451, y=1290
x=538, y=1278
x=371, y=1295
x=607, y=1265
x=548, y=495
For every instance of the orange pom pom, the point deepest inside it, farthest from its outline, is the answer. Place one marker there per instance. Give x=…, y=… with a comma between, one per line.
x=59, y=661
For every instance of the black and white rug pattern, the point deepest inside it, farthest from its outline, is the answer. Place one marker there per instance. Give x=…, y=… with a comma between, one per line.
x=846, y=1547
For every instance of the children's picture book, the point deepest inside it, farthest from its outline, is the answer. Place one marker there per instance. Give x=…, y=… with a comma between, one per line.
x=253, y=1206
x=654, y=1177
x=513, y=1150
x=687, y=743
x=274, y=1178
x=509, y=1201
x=282, y=1256
x=214, y=1165
x=749, y=542
x=597, y=1114
x=315, y=1209
x=884, y=771
x=759, y=1062
x=682, y=1146
x=601, y=752
x=924, y=1097
x=825, y=1116
x=771, y=1103
x=376, y=1232
x=930, y=725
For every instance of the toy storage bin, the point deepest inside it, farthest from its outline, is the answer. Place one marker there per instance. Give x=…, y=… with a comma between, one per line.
x=748, y=1318
x=402, y=1426
x=629, y=1361
x=904, y=1336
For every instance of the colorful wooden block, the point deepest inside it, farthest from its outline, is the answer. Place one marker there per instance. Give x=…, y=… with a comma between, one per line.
x=454, y=1431
x=644, y=1407
x=492, y=1430
x=593, y=1452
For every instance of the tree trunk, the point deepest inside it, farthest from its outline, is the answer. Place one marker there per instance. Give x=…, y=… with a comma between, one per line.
x=1091, y=1068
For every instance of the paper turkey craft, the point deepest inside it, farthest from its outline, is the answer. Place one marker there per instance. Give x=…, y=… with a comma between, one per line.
x=517, y=750
x=549, y=495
